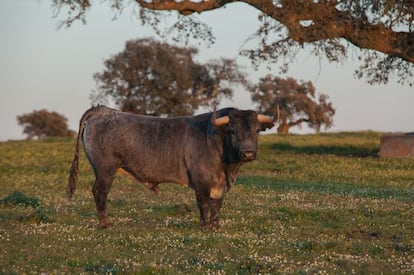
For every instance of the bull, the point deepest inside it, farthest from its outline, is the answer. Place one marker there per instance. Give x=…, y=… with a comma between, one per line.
x=203, y=152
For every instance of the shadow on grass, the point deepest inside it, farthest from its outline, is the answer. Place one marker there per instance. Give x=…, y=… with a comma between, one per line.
x=328, y=188
x=338, y=150
x=15, y=199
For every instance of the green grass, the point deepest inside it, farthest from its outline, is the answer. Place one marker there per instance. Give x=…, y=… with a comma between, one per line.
x=309, y=204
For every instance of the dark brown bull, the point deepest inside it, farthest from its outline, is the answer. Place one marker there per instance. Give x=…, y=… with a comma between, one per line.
x=203, y=152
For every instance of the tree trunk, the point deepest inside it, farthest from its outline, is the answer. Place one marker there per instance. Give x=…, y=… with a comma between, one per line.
x=283, y=128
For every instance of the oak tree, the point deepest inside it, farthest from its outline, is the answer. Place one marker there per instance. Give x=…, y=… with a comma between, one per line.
x=382, y=29
x=297, y=101
x=154, y=78
x=43, y=123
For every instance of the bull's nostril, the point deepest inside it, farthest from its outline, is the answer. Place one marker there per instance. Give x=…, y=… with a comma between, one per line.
x=248, y=155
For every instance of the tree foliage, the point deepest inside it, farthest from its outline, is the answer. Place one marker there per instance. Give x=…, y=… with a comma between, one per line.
x=297, y=103
x=42, y=123
x=382, y=29
x=154, y=78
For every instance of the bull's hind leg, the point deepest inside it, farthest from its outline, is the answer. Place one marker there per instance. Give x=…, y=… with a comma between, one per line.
x=100, y=192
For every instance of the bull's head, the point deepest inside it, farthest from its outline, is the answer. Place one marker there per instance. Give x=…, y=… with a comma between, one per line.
x=242, y=129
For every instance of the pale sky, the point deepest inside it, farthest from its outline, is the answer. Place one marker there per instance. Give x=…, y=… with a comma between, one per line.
x=42, y=66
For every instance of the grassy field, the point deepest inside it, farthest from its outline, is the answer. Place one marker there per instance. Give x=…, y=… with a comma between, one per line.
x=310, y=204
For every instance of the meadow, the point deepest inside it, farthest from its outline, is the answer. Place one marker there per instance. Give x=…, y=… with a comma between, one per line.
x=323, y=203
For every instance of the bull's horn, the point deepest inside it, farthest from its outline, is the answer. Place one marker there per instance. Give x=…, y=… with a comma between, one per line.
x=264, y=119
x=217, y=122
x=268, y=119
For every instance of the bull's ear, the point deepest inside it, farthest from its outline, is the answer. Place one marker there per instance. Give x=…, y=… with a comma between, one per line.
x=266, y=125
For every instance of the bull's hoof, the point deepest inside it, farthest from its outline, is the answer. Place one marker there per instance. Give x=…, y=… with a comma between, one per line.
x=205, y=226
x=69, y=192
x=105, y=224
x=215, y=227
x=210, y=227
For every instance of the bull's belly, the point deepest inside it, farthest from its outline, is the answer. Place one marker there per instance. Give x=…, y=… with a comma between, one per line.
x=159, y=174
x=162, y=179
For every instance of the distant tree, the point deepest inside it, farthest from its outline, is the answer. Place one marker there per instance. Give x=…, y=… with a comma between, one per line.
x=296, y=101
x=154, y=78
x=383, y=30
x=42, y=123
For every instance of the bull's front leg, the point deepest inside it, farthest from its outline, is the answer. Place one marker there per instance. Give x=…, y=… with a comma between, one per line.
x=215, y=206
x=203, y=203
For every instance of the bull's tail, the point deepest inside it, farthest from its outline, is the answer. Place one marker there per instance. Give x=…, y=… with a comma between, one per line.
x=74, y=169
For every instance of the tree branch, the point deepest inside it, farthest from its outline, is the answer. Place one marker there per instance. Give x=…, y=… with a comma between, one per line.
x=297, y=122
x=384, y=27
x=327, y=22
x=185, y=7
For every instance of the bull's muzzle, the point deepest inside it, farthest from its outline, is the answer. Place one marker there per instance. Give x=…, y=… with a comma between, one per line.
x=247, y=155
